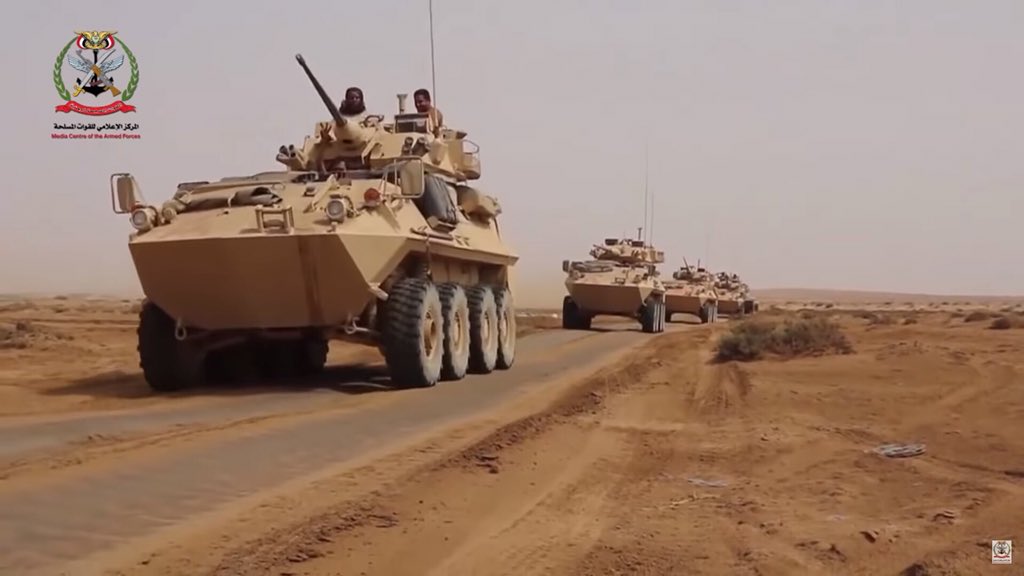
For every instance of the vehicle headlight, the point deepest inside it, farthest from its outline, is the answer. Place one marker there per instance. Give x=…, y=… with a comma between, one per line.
x=141, y=219
x=336, y=209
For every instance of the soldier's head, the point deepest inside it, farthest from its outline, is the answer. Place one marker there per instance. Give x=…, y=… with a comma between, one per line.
x=421, y=98
x=353, y=102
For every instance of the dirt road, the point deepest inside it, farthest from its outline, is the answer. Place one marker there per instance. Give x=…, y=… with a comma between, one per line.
x=650, y=459
x=197, y=460
x=669, y=464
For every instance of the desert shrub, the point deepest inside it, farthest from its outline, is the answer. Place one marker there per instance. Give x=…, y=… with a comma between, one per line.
x=881, y=320
x=752, y=339
x=1007, y=322
x=875, y=318
x=977, y=316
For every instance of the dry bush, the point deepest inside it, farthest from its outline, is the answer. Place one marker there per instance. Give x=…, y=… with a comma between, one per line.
x=754, y=339
x=978, y=316
x=23, y=334
x=1007, y=322
x=881, y=320
x=875, y=318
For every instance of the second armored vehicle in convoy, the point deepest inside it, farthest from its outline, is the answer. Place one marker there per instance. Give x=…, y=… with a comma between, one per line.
x=374, y=233
x=733, y=295
x=691, y=291
x=621, y=280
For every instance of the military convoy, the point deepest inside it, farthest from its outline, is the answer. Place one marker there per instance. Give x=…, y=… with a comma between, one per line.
x=374, y=232
x=692, y=291
x=621, y=280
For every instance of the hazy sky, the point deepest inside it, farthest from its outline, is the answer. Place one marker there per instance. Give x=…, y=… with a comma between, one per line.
x=848, y=144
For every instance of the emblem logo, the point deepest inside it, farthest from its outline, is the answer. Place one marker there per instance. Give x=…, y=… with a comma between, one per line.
x=1002, y=551
x=93, y=57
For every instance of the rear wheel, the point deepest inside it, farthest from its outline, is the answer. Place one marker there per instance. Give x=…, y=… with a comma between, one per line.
x=414, y=333
x=483, y=330
x=506, y=328
x=455, y=310
x=167, y=363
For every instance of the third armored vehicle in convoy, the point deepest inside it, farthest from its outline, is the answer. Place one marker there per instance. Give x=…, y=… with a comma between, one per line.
x=375, y=232
x=692, y=291
x=733, y=295
x=621, y=280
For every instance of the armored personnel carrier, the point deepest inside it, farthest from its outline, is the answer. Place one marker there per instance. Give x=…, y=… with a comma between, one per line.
x=750, y=303
x=374, y=232
x=691, y=291
x=621, y=280
x=733, y=295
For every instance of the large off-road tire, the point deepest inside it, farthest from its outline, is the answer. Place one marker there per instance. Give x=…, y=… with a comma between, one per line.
x=572, y=317
x=748, y=307
x=709, y=313
x=414, y=333
x=455, y=310
x=167, y=363
x=506, y=328
x=652, y=319
x=483, y=330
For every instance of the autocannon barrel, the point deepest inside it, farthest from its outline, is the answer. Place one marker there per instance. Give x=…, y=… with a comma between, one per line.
x=335, y=113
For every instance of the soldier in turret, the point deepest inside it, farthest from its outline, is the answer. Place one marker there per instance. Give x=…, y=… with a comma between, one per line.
x=423, y=103
x=353, y=106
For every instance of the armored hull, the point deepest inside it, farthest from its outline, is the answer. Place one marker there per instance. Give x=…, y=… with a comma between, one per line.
x=682, y=298
x=215, y=269
x=595, y=297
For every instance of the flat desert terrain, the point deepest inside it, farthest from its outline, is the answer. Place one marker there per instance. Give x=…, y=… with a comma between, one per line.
x=827, y=434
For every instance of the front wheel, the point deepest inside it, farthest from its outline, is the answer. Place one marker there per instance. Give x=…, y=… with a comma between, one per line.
x=414, y=333
x=652, y=318
x=167, y=363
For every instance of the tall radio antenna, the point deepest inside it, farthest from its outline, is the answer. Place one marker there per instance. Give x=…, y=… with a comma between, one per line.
x=433, y=70
x=646, y=195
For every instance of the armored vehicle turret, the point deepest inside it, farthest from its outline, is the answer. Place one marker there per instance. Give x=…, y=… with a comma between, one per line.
x=733, y=295
x=374, y=232
x=692, y=291
x=620, y=280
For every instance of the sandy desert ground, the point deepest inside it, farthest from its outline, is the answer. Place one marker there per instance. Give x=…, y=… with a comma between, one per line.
x=605, y=452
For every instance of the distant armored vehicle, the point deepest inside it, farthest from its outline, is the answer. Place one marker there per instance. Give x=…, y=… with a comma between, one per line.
x=692, y=291
x=733, y=295
x=621, y=280
x=374, y=233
